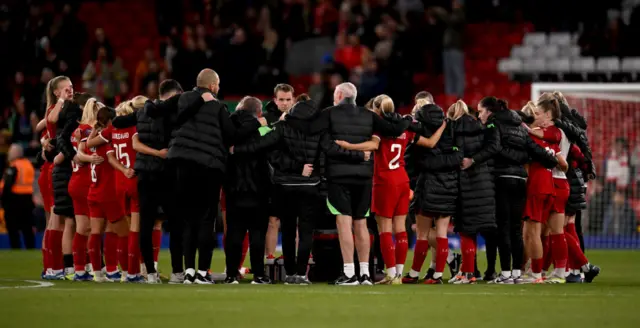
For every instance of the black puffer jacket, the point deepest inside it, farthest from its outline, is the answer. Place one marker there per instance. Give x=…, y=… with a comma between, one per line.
x=294, y=146
x=271, y=113
x=203, y=135
x=437, y=186
x=577, y=194
x=247, y=179
x=476, y=201
x=353, y=124
x=67, y=123
x=151, y=132
x=574, y=127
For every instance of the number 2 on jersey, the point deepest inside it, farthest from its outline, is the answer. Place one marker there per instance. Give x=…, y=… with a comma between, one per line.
x=393, y=163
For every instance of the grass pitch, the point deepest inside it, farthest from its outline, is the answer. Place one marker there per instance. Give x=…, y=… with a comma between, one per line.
x=612, y=300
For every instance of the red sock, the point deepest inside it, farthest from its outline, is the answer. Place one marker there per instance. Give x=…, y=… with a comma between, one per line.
x=441, y=253
x=56, y=249
x=245, y=249
x=468, y=247
x=388, y=250
x=419, y=254
x=45, y=251
x=79, y=251
x=95, y=251
x=570, y=231
x=559, y=252
x=123, y=252
x=134, y=252
x=575, y=252
x=536, y=265
x=157, y=240
x=546, y=251
x=402, y=248
x=111, y=251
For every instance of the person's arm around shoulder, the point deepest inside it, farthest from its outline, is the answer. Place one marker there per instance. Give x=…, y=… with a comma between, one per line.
x=268, y=140
x=140, y=147
x=491, y=145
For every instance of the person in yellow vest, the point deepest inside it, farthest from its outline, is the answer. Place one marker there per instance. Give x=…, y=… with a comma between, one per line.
x=17, y=198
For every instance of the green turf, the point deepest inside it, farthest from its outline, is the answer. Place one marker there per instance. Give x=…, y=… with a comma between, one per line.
x=612, y=300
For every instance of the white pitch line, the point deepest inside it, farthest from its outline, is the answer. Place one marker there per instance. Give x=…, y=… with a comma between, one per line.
x=38, y=284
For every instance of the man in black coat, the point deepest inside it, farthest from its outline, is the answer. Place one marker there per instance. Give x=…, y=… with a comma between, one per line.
x=246, y=184
x=297, y=175
x=349, y=174
x=199, y=149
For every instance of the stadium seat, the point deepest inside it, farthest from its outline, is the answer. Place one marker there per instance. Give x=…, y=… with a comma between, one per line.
x=549, y=51
x=629, y=69
x=536, y=39
x=524, y=51
x=510, y=65
x=605, y=68
x=534, y=65
x=560, y=38
x=571, y=51
x=556, y=68
x=580, y=67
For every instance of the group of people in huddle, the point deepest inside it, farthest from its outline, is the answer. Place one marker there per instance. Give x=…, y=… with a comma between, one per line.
x=111, y=176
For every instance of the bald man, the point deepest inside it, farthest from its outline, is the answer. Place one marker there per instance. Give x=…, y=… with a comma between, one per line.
x=17, y=198
x=199, y=151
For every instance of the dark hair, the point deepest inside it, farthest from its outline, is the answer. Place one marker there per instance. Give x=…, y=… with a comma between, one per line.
x=424, y=95
x=282, y=87
x=303, y=97
x=81, y=98
x=549, y=102
x=525, y=118
x=168, y=86
x=494, y=104
x=104, y=116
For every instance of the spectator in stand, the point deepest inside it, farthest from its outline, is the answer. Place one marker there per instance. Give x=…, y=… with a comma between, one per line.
x=17, y=198
x=616, y=191
x=453, y=42
x=372, y=82
x=349, y=51
x=102, y=76
x=148, y=64
x=273, y=56
x=635, y=165
x=21, y=127
x=325, y=18
x=101, y=42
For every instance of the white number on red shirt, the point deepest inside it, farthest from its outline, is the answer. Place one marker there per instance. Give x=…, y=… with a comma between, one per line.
x=122, y=155
x=74, y=165
x=94, y=176
x=393, y=164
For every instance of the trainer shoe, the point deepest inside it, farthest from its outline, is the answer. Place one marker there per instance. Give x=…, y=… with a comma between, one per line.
x=99, y=277
x=490, y=276
x=229, y=280
x=454, y=265
x=433, y=281
x=52, y=275
x=397, y=280
x=135, y=279
x=114, y=277
x=153, y=278
x=431, y=272
x=467, y=279
x=408, y=279
x=189, y=279
x=343, y=280
x=502, y=280
x=554, y=279
x=593, y=272
x=176, y=278
x=261, y=280
x=86, y=276
x=69, y=273
x=301, y=280
x=524, y=279
x=365, y=280
x=386, y=281
x=574, y=279
x=202, y=280
x=454, y=279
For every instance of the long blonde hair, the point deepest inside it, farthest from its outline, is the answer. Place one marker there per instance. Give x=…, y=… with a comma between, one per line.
x=457, y=110
x=52, y=86
x=383, y=104
x=549, y=102
x=420, y=102
x=89, y=111
x=529, y=109
x=129, y=106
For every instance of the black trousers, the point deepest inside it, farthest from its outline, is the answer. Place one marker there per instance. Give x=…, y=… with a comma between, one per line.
x=240, y=220
x=299, y=209
x=511, y=195
x=157, y=190
x=579, y=229
x=18, y=216
x=198, y=190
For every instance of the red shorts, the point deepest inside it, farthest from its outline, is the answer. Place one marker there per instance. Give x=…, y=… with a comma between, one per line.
x=111, y=211
x=562, y=195
x=45, y=183
x=391, y=200
x=128, y=196
x=223, y=201
x=538, y=208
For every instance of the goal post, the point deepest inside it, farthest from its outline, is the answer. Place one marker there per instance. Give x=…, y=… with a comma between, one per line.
x=612, y=111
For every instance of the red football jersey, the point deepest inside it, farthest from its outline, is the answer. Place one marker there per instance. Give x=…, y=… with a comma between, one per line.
x=122, y=140
x=81, y=176
x=103, y=184
x=389, y=159
x=540, y=179
x=51, y=127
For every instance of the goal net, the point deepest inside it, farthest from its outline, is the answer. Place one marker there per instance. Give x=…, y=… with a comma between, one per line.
x=612, y=218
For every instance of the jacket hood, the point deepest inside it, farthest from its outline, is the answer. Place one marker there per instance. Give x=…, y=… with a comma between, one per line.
x=506, y=117
x=467, y=125
x=431, y=116
x=190, y=98
x=578, y=119
x=303, y=110
x=271, y=107
x=240, y=117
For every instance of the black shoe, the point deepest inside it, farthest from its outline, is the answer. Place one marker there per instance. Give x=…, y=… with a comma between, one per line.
x=189, y=279
x=378, y=276
x=477, y=274
x=454, y=265
x=365, y=280
x=592, y=273
x=230, y=280
x=430, y=273
x=573, y=279
x=261, y=281
x=343, y=280
x=489, y=276
x=407, y=279
x=202, y=280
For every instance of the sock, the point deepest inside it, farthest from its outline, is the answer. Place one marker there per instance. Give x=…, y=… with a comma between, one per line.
x=546, y=251
x=111, y=251
x=450, y=257
x=157, y=240
x=402, y=248
x=432, y=264
x=95, y=251
x=46, y=262
x=575, y=252
x=559, y=252
x=202, y=273
x=191, y=272
x=388, y=250
x=468, y=247
x=364, y=268
x=349, y=270
x=134, y=253
x=123, y=253
x=516, y=273
x=67, y=259
x=419, y=255
x=245, y=248
x=56, y=250
x=441, y=255
x=79, y=251
x=536, y=266
x=506, y=274
x=44, y=259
